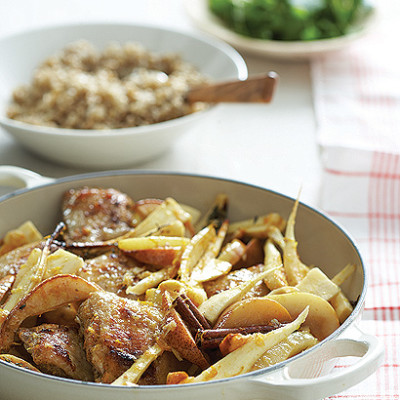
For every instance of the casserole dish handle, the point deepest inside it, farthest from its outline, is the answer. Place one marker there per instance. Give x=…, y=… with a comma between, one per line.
x=312, y=376
x=19, y=178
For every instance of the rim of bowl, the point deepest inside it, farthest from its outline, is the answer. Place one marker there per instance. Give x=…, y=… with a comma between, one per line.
x=101, y=133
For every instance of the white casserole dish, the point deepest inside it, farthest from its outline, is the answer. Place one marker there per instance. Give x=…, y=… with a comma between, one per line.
x=321, y=242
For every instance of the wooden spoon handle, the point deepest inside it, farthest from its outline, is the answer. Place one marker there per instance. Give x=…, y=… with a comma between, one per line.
x=259, y=89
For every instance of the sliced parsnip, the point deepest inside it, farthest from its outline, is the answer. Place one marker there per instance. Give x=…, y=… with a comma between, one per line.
x=195, y=250
x=340, y=302
x=29, y=275
x=294, y=344
x=139, y=367
x=152, y=242
x=295, y=270
x=242, y=359
x=165, y=214
x=63, y=262
x=344, y=274
x=232, y=252
x=258, y=226
x=215, y=214
x=208, y=267
x=194, y=212
x=276, y=236
x=151, y=281
x=24, y=234
x=181, y=214
x=342, y=306
x=215, y=305
x=175, y=228
x=283, y=290
x=162, y=251
x=176, y=288
x=272, y=255
x=213, y=269
x=32, y=272
x=144, y=207
x=316, y=282
x=273, y=260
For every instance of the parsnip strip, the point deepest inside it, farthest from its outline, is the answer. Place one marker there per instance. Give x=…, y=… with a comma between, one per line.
x=232, y=252
x=273, y=260
x=276, y=235
x=208, y=267
x=152, y=281
x=24, y=234
x=175, y=228
x=213, y=269
x=213, y=307
x=342, y=306
x=152, y=242
x=195, y=250
x=344, y=274
x=242, y=359
x=294, y=344
x=340, y=302
x=167, y=213
x=316, y=282
x=217, y=212
x=268, y=220
x=29, y=275
x=63, y=262
x=295, y=270
x=133, y=374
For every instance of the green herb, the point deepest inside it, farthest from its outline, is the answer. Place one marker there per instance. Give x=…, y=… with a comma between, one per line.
x=290, y=19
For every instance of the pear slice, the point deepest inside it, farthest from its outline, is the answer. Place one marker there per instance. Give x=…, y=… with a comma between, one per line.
x=321, y=319
x=50, y=294
x=252, y=311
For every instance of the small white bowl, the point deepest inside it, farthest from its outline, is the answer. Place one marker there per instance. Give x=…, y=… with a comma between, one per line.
x=279, y=49
x=113, y=148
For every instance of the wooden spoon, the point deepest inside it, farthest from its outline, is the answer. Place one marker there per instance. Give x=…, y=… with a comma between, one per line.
x=258, y=89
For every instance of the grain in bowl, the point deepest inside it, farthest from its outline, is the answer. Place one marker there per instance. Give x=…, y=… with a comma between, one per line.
x=125, y=85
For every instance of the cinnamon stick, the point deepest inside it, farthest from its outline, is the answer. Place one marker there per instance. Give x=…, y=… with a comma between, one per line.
x=199, y=316
x=187, y=316
x=211, y=338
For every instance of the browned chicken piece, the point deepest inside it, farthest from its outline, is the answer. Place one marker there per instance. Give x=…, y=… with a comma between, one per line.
x=116, y=332
x=57, y=350
x=234, y=279
x=94, y=214
x=5, y=285
x=109, y=270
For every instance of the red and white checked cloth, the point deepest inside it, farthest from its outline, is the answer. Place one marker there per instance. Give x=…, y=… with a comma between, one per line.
x=357, y=105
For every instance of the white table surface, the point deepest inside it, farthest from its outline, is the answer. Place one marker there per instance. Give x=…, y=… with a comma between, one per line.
x=271, y=145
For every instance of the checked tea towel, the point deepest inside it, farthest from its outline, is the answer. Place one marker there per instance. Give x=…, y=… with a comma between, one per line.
x=357, y=105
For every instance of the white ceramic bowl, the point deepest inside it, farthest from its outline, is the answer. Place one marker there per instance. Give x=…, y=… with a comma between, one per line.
x=321, y=242
x=285, y=50
x=114, y=148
